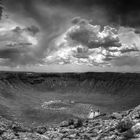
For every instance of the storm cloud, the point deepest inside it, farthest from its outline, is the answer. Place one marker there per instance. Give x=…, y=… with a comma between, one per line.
x=68, y=31
x=121, y=12
x=35, y=17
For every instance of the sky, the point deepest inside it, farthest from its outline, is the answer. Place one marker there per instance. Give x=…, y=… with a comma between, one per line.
x=70, y=36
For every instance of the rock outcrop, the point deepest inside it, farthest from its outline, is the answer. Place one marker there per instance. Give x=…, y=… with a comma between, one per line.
x=116, y=126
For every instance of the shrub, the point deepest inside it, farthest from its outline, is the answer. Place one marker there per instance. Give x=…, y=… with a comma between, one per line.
x=124, y=125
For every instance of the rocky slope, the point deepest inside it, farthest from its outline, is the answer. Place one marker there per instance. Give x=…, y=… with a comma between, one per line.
x=116, y=126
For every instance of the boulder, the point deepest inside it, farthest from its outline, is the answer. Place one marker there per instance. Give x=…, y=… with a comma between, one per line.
x=64, y=124
x=136, y=128
x=16, y=127
x=135, y=114
x=40, y=129
x=72, y=122
x=116, y=115
x=124, y=125
x=77, y=123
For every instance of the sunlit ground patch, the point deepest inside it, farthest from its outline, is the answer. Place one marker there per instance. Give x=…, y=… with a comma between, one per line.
x=57, y=105
x=76, y=109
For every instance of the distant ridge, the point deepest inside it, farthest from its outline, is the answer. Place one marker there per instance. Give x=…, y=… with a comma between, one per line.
x=89, y=82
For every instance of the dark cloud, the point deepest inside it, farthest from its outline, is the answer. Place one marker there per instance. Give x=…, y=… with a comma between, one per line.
x=79, y=20
x=92, y=36
x=113, y=50
x=81, y=53
x=18, y=57
x=127, y=50
x=32, y=29
x=108, y=57
x=122, y=12
x=137, y=30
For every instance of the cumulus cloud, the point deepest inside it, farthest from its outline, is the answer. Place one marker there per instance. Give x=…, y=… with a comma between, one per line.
x=91, y=36
x=84, y=43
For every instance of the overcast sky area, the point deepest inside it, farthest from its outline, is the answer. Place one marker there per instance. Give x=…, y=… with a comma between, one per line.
x=70, y=35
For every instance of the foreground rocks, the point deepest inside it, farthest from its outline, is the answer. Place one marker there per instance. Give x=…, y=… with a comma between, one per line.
x=116, y=126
